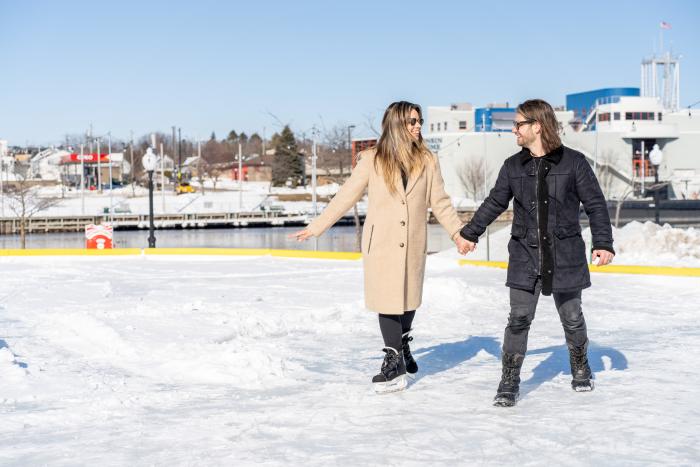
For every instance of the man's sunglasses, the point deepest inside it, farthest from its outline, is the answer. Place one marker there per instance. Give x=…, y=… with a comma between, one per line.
x=412, y=121
x=518, y=124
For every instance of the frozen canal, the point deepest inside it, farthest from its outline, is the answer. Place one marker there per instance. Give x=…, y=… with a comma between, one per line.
x=267, y=361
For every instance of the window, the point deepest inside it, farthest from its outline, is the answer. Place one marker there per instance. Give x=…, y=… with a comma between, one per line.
x=462, y=125
x=659, y=116
x=438, y=126
x=445, y=126
x=616, y=115
x=432, y=128
x=604, y=117
x=628, y=116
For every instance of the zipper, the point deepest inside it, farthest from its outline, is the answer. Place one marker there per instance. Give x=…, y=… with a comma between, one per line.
x=537, y=211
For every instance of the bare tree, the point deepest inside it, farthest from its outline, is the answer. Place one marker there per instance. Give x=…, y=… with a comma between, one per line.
x=605, y=174
x=24, y=200
x=473, y=176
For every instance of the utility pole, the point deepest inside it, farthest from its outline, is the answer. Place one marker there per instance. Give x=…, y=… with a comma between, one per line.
x=162, y=176
x=99, y=166
x=131, y=172
x=240, y=178
x=111, y=202
x=82, y=180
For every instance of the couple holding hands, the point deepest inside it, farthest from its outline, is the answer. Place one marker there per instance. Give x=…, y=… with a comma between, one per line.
x=547, y=183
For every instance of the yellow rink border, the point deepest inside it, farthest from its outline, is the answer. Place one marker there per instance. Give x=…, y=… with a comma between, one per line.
x=610, y=269
x=184, y=251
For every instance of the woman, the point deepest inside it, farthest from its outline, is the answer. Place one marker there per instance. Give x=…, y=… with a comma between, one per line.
x=403, y=180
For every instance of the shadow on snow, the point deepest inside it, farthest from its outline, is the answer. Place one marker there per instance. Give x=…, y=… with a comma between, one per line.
x=443, y=357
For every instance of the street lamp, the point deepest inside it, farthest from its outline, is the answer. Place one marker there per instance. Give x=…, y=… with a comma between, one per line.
x=656, y=156
x=149, y=164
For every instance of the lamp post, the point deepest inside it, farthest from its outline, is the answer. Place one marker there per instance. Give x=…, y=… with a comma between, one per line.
x=656, y=156
x=149, y=164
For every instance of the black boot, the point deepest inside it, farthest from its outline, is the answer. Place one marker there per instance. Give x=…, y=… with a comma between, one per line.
x=509, y=388
x=392, y=376
x=411, y=365
x=582, y=377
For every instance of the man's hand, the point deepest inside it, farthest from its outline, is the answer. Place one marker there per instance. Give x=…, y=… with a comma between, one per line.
x=601, y=257
x=464, y=246
x=301, y=235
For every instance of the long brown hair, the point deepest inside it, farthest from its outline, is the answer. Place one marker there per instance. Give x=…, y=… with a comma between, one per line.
x=396, y=149
x=543, y=113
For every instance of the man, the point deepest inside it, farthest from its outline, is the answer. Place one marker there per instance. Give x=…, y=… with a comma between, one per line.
x=547, y=182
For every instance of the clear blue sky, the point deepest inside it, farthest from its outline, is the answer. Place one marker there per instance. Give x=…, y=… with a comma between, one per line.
x=215, y=66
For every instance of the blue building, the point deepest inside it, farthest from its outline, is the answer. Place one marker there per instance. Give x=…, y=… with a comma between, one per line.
x=583, y=102
x=494, y=119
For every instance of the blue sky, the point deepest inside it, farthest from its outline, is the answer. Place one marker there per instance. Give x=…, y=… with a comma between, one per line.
x=215, y=66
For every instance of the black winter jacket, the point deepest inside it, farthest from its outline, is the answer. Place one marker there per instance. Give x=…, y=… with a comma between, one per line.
x=546, y=234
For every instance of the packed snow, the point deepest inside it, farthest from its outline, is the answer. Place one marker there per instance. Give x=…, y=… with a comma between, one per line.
x=267, y=361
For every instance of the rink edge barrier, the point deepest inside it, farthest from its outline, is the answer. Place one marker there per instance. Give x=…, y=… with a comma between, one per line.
x=184, y=251
x=609, y=269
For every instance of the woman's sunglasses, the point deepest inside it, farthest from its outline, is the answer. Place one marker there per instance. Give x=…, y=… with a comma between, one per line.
x=412, y=121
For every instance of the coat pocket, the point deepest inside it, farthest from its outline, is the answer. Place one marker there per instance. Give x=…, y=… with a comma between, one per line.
x=569, y=249
x=369, y=242
x=518, y=231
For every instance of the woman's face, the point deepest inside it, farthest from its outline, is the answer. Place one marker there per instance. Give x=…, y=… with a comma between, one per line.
x=413, y=124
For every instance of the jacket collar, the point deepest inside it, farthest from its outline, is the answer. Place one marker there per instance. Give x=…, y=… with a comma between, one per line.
x=553, y=156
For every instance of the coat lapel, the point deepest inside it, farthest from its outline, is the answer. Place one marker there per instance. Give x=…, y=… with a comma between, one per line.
x=412, y=181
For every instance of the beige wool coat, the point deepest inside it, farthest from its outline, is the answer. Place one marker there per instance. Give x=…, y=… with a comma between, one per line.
x=394, y=237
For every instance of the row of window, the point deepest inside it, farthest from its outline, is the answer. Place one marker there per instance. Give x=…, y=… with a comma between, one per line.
x=442, y=126
x=605, y=117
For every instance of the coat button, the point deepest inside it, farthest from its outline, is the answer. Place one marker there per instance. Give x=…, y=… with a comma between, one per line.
x=401, y=244
x=403, y=223
x=403, y=202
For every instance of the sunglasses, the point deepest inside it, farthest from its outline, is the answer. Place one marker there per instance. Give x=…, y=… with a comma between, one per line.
x=413, y=121
x=518, y=124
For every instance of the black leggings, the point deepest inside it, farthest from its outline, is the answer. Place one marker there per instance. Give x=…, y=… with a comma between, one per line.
x=393, y=326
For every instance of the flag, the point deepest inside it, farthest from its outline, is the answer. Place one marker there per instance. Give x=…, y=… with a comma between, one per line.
x=665, y=25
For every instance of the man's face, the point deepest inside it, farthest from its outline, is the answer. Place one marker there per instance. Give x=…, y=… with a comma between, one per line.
x=524, y=130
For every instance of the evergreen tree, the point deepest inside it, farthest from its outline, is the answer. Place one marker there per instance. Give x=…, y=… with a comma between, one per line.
x=213, y=136
x=232, y=135
x=288, y=163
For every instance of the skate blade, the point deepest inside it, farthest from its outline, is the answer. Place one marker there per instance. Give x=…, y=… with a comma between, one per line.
x=397, y=384
x=582, y=387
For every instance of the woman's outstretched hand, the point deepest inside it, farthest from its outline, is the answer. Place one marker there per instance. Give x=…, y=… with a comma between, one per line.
x=301, y=235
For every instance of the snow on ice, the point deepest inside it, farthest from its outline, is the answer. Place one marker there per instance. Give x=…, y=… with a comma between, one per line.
x=267, y=361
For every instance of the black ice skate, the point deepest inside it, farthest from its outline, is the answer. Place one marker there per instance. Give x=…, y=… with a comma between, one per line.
x=509, y=388
x=411, y=365
x=392, y=377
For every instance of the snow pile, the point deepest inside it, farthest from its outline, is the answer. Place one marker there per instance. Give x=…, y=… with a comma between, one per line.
x=649, y=243
x=635, y=244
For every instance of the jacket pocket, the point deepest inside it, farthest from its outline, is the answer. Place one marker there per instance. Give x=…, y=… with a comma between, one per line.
x=566, y=231
x=369, y=242
x=569, y=249
x=518, y=231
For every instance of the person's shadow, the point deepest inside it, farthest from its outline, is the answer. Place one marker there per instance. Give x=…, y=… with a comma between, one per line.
x=3, y=345
x=442, y=357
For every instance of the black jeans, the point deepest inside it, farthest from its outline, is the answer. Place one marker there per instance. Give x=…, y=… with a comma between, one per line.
x=523, y=304
x=394, y=326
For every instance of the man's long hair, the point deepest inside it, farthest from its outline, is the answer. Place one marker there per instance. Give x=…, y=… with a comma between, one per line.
x=543, y=113
x=396, y=149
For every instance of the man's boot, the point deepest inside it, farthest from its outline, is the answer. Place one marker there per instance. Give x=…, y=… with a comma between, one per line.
x=582, y=377
x=392, y=376
x=509, y=388
x=411, y=365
